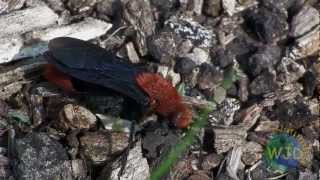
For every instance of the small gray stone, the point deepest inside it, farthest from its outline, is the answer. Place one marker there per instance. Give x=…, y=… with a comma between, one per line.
x=289, y=71
x=99, y=146
x=265, y=57
x=184, y=66
x=209, y=77
x=264, y=83
x=211, y=161
x=39, y=157
x=81, y=6
x=108, y=7
x=56, y=5
x=199, y=56
x=229, y=6
x=75, y=117
x=162, y=47
x=164, y=5
x=136, y=166
x=139, y=15
x=252, y=152
x=212, y=7
x=223, y=57
x=220, y=95
x=269, y=26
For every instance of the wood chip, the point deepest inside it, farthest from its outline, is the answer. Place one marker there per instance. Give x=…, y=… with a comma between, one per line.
x=85, y=30
x=228, y=137
x=22, y=21
x=199, y=103
x=132, y=53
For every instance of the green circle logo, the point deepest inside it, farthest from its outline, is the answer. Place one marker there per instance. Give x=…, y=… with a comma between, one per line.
x=283, y=152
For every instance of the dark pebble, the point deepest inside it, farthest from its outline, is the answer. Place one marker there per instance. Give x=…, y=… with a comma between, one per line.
x=184, y=66
x=309, y=81
x=223, y=58
x=264, y=58
x=209, y=77
x=267, y=25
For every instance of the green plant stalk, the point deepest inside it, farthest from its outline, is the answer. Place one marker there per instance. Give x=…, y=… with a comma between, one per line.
x=182, y=146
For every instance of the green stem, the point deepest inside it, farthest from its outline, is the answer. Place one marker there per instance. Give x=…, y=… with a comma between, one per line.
x=181, y=147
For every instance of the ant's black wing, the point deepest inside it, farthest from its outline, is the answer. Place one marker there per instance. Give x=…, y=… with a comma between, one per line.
x=93, y=64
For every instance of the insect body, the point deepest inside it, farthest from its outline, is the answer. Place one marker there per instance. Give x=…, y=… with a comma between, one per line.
x=72, y=60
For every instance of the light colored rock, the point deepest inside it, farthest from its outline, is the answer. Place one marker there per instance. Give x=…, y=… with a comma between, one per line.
x=85, y=30
x=9, y=47
x=22, y=21
x=116, y=124
x=229, y=6
x=252, y=152
x=169, y=74
x=197, y=6
x=76, y=117
x=304, y=21
x=10, y=5
x=199, y=56
x=132, y=53
x=234, y=161
x=136, y=167
x=189, y=29
x=307, y=45
x=212, y=7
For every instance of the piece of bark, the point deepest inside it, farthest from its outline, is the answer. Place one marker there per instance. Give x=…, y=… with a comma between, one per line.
x=10, y=5
x=306, y=45
x=75, y=117
x=13, y=77
x=228, y=137
x=199, y=103
x=9, y=47
x=212, y=7
x=250, y=116
x=8, y=90
x=139, y=15
x=252, y=152
x=132, y=53
x=22, y=21
x=267, y=126
x=198, y=6
x=20, y=70
x=233, y=162
x=79, y=169
x=304, y=21
x=101, y=146
x=136, y=167
x=85, y=30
